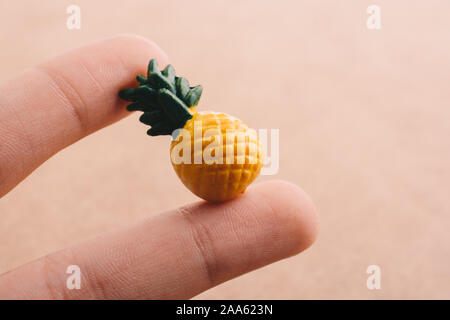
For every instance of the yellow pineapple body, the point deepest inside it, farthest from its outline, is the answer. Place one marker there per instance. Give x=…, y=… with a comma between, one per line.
x=223, y=176
x=215, y=155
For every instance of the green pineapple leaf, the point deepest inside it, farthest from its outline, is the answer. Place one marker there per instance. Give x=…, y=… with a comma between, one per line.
x=193, y=96
x=163, y=98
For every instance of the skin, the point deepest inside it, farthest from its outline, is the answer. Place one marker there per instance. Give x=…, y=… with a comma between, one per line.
x=174, y=255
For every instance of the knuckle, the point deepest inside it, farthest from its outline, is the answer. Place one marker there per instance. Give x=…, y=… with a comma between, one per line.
x=68, y=94
x=203, y=243
x=54, y=286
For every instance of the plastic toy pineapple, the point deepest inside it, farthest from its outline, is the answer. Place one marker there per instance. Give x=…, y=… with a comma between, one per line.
x=215, y=155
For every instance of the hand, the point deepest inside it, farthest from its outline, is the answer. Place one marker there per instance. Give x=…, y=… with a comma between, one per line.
x=175, y=255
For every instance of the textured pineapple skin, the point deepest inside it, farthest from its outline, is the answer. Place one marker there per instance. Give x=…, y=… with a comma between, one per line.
x=220, y=181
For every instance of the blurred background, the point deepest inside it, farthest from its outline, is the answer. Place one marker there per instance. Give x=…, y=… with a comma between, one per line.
x=364, y=119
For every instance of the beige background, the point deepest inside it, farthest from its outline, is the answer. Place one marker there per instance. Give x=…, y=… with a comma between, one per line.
x=364, y=124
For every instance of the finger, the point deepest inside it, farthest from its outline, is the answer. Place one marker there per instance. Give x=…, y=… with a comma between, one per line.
x=57, y=103
x=178, y=254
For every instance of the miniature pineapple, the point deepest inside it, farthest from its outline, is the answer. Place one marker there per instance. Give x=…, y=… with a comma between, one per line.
x=215, y=155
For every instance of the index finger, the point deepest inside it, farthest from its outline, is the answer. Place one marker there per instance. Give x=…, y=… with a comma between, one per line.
x=53, y=105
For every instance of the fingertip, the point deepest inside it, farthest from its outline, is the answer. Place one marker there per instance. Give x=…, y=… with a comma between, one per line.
x=271, y=221
x=95, y=73
x=141, y=45
x=294, y=212
x=130, y=54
